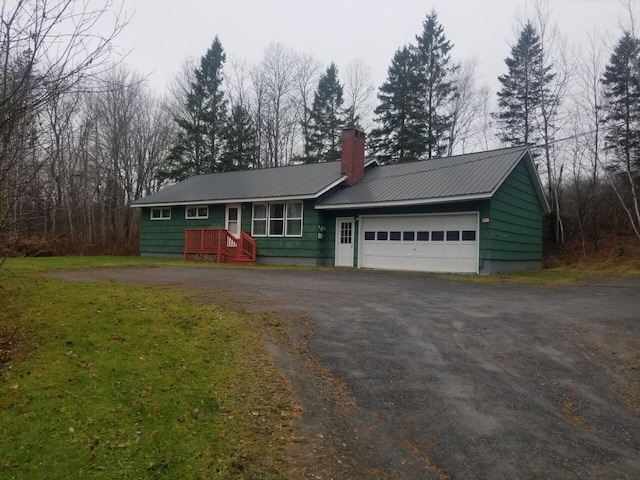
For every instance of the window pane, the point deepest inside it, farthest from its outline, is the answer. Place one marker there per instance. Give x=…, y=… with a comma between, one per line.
x=382, y=235
x=408, y=236
x=203, y=211
x=259, y=227
x=276, y=210
x=423, y=236
x=453, y=235
x=233, y=214
x=294, y=227
x=437, y=236
x=369, y=235
x=468, y=235
x=259, y=211
x=394, y=236
x=276, y=227
x=155, y=213
x=294, y=210
x=191, y=212
x=165, y=213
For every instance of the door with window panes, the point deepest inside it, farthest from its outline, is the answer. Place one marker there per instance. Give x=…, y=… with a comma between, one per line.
x=344, y=242
x=233, y=219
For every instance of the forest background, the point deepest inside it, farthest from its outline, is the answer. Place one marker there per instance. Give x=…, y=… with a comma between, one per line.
x=82, y=134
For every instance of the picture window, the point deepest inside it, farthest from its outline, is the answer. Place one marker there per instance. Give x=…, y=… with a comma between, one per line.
x=277, y=219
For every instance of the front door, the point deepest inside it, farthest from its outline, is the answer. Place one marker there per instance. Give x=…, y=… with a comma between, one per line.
x=233, y=219
x=344, y=242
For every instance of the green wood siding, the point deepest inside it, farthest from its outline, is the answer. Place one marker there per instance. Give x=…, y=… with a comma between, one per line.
x=167, y=236
x=515, y=228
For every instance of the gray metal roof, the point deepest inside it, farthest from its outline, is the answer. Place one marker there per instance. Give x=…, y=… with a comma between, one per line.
x=299, y=181
x=473, y=175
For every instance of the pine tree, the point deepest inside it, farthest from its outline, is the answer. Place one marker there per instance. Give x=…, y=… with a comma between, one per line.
x=240, y=137
x=327, y=118
x=202, y=127
x=435, y=74
x=399, y=136
x=621, y=81
x=522, y=90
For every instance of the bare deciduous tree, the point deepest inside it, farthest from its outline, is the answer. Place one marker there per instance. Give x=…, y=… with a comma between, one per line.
x=359, y=94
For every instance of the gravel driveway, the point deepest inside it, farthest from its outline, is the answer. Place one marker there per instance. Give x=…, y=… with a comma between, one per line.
x=410, y=376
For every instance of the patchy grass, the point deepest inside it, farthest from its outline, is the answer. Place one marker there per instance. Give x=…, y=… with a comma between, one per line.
x=117, y=381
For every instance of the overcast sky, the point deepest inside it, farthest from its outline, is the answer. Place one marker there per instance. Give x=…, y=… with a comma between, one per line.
x=163, y=33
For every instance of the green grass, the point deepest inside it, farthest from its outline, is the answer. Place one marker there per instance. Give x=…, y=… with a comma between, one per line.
x=117, y=381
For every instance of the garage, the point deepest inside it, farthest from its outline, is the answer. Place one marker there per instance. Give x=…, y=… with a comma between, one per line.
x=429, y=243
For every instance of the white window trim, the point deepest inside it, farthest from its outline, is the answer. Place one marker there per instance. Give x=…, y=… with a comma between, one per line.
x=286, y=220
x=283, y=219
x=197, y=216
x=160, y=209
x=265, y=219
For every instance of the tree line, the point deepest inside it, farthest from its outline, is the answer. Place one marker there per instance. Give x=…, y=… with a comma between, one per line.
x=82, y=136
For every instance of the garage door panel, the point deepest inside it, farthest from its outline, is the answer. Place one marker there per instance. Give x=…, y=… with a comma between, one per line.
x=415, y=249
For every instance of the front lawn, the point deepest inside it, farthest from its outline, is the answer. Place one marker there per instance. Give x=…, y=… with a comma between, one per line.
x=118, y=381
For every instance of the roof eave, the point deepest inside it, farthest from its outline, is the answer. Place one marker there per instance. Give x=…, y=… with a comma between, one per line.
x=404, y=203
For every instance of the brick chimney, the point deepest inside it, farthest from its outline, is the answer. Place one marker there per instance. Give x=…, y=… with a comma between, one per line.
x=352, y=155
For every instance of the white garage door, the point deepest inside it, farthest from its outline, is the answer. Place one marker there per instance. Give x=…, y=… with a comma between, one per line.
x=428, y=243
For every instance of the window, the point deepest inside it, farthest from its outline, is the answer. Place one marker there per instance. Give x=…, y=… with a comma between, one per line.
x=369, y=235
x=408, y=236
x=259, y=224
x=423, y=236
x=277, y=219
x=437, y=236
x=453, y=235
x=294, y=219
x=198, y=211
x=346, y=230
x=395, y=236
x=163, y=213
x=382, y=235
x=468, y=235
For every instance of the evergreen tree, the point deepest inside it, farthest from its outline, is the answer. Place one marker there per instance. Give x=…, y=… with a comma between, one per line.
x=435, y=71
x=240, y=151
x=327, y=118
x=399, y=135
x=523, y=86
x=621, y=81
x=202, y=126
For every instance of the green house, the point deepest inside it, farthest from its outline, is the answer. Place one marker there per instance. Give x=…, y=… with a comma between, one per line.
x=473, y=213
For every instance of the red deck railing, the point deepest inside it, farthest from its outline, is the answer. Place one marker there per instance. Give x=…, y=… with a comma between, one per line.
x=218, y=245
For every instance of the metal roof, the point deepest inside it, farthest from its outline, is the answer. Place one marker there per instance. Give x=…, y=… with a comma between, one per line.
x=473, y=175
x=298, y=181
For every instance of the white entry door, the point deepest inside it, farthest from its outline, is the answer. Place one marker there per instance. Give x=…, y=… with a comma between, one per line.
x=344, y=242
x=233, y=219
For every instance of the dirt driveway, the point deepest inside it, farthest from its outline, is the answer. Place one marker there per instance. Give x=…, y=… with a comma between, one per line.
x=409, y=376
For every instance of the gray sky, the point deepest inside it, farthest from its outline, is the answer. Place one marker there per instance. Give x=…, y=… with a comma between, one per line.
x=163, y=33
